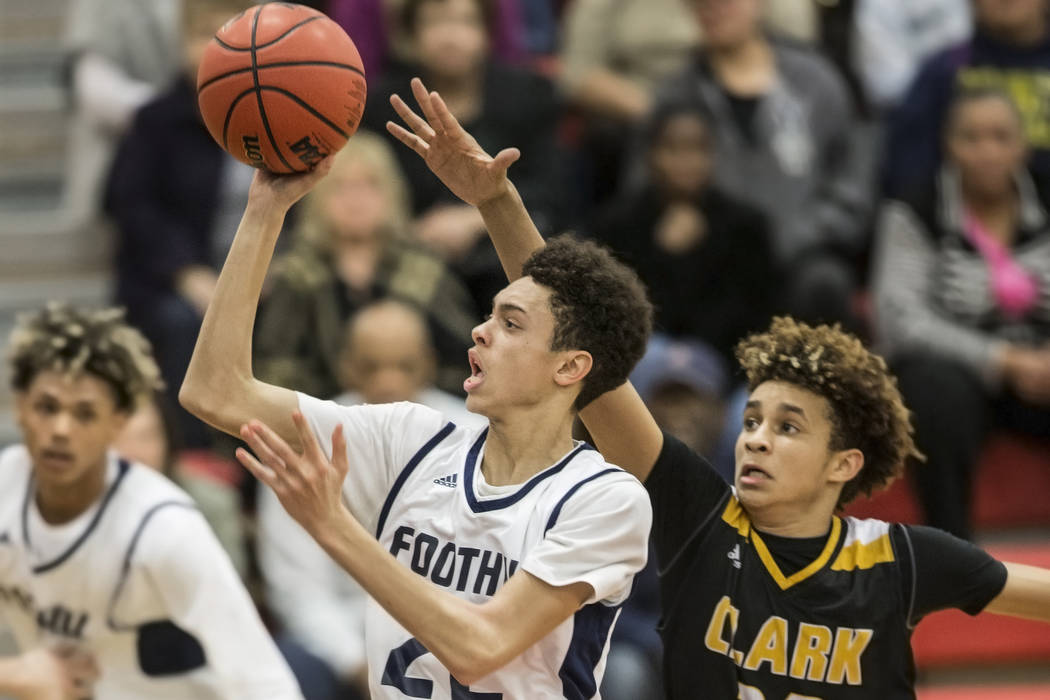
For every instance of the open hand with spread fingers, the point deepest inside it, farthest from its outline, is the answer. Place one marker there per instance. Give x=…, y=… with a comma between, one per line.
x=308, y=485
x=448, y=150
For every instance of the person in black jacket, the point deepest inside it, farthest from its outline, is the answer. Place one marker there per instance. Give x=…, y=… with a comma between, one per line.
x=706, y=258
x=175, y=197
x=500, y=105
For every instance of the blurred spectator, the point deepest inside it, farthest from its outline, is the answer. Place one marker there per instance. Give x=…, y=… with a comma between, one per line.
x=351, y=248
x=150, y=438
x=781, y=121
x=123, y=52
x=500, y=106
x=176, y=198
x=962, y=291
x=1010, y=49
x=371, y=24
x=614, y=55
x=706, y=259
x=387, y=357
x=893, y=38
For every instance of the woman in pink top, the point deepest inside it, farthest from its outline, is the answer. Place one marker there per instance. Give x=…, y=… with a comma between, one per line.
x=962, y=298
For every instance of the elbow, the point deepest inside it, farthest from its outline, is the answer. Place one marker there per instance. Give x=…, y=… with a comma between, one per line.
x=479, y=657
x=193, y=396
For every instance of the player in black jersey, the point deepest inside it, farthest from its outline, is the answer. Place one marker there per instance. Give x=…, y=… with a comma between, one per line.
x=766, y=592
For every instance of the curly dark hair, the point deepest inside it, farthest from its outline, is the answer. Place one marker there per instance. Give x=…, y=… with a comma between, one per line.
x=73, y=341
x=599, y=305
x=866, y=409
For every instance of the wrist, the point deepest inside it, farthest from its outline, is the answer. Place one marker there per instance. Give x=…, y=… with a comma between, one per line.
x=507, y=194
x=337, y=531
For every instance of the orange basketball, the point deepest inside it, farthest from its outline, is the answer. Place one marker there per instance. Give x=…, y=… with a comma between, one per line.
x=281, y=86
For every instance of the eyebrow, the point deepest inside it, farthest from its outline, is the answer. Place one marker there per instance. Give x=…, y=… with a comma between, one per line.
x=506, y=307
x=786, y=407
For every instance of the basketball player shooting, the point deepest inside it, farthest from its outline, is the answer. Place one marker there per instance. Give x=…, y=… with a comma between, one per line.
x=499, y=557
x=111, y=581
x=767, y=593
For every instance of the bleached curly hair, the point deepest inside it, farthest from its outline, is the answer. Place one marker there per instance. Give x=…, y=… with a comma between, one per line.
x=866, y=409
x=73, y=341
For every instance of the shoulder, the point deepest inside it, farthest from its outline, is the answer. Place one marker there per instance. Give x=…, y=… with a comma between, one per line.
x=865, y=543
x=805, y=67
x=588, y=473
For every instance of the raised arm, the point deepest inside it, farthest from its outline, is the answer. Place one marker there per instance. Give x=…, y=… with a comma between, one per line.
x=219, y=387
x=1026, y=593
x=618, y=421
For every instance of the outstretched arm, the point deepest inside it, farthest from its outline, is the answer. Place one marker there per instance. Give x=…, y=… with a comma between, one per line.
x=470, y=640
x=1026, y=593
x=618, y=421
x=220, y=387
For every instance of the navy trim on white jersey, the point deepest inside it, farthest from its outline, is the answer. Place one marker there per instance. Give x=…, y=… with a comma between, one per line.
x=407, y=471
x=42, y=568
x=591, y=626
x=126, y=568
x=479, y=506
x=568, y=494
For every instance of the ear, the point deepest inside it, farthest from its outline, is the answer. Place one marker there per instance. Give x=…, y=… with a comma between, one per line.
x=845, y=465
x=575, y=365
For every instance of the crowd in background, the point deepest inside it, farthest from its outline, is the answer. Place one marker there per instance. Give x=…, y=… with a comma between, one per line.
x=881, y=164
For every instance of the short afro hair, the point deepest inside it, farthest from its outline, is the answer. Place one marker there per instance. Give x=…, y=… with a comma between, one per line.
x=73, y=341
x=599, y=306
x=867, y=412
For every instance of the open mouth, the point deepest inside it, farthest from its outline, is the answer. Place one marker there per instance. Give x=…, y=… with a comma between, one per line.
x=56, y=458
x=477, y=374
x=752, y=474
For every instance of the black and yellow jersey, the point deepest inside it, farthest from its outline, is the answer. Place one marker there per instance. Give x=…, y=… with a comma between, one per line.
x=751, y=616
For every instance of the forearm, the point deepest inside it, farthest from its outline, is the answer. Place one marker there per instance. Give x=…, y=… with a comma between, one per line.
x=221, y=363
x=1026, y=593
x=455, y=631
x=511, y=229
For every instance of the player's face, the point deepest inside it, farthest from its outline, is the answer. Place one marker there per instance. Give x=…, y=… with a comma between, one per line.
x=511, y=361
x=68, y=422
x=783, y=452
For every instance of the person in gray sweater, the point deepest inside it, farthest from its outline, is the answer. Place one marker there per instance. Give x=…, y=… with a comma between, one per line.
x=962, y=298
x=784, y=141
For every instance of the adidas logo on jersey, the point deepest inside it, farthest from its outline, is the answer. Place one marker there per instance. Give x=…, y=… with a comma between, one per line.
x=734, y=555
x=450, y=481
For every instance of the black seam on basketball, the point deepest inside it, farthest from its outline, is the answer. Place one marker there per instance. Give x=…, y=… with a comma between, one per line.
x=271, y=42
x=282, y=64
x=258, y=93
x=229, y=116
x=331, y=125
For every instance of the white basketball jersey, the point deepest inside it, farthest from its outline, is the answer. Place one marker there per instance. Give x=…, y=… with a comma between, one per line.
x=139, y=581
x=415, y=480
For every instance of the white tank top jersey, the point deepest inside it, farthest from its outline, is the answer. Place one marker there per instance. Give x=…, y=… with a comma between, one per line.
x=415, y=481
x=139, y=581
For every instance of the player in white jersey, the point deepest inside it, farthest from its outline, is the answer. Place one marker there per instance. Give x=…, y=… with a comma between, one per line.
x=499, y=557
x=105, y=561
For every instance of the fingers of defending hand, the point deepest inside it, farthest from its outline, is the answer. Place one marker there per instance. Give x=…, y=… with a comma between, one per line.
x=444, y=115
x=505, y=158
x=415, y=122
x=311, y=450
x=292, y=461
x=408, y=138
x=419, y=91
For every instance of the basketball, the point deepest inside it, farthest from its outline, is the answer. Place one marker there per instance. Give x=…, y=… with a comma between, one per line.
x=281, y=86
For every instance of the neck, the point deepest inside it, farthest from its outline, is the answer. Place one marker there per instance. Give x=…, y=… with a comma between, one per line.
x=812, y=520
x=746, y=68
x=526, y=442
x=989, y=204
x=62, y=503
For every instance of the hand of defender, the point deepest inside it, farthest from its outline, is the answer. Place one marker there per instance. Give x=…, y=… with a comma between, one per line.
x=63, y=673
x=283, y=191
x=308, y=485
x=450, y=152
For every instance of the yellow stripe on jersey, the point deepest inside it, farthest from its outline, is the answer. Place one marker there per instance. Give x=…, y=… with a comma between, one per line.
x=864, y=555
x=735, y=516
x=816, y=565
